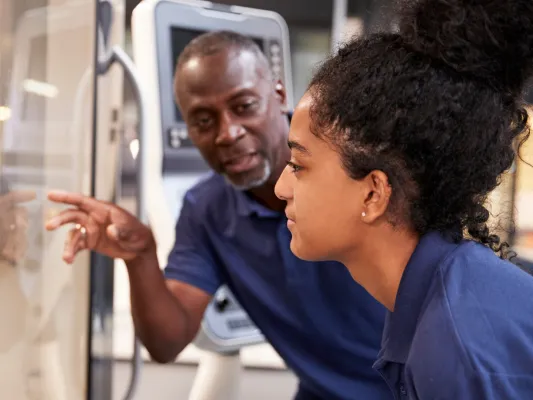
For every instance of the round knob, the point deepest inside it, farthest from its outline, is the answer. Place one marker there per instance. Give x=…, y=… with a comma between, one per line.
x=221, y=304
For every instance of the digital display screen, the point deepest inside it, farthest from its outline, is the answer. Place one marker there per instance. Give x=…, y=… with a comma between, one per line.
x=181, y=38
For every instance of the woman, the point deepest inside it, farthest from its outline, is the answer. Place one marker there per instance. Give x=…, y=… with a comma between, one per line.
x=394, y=149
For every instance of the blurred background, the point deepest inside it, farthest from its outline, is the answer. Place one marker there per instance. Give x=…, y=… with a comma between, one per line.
x=69, y=122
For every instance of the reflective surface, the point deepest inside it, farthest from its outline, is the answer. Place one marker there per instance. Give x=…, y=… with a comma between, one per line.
x=46, y=125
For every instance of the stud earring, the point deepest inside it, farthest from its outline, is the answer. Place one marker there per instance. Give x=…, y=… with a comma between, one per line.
x=363, y=214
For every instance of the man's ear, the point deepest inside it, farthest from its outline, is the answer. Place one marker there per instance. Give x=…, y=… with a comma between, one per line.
x=281, y=94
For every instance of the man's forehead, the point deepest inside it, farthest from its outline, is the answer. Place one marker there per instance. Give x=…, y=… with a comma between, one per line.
x=223, y=70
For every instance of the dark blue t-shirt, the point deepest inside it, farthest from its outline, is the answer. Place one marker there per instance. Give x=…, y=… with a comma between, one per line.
x=325, y=326
x=462, y=327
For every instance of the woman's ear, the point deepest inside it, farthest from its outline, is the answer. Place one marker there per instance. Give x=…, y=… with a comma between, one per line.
x=377, y=196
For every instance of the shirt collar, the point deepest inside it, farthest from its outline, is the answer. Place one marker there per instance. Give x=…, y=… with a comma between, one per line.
x=400, y=325
x=246, y=207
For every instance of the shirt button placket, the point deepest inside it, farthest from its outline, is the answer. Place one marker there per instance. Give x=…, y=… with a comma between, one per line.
x=403, y=392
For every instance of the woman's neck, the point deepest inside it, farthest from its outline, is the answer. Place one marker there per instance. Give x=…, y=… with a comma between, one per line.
x=378, y=263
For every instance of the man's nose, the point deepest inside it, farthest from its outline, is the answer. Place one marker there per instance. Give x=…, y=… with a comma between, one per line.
x=229, y=133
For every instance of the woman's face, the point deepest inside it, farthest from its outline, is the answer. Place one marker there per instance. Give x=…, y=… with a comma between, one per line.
x=324, y=205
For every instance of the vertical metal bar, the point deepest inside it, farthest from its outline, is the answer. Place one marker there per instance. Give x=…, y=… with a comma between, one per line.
x=92, y=256
x=100, y=368
x=118, y=55
x=340, y=13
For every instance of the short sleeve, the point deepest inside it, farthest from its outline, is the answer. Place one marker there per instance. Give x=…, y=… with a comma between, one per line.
x=192, y=260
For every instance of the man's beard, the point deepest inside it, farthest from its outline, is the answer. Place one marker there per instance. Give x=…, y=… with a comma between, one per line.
x=256, y=182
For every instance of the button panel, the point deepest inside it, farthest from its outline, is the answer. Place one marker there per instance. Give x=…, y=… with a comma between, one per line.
x=276, y=59
x=176, y=135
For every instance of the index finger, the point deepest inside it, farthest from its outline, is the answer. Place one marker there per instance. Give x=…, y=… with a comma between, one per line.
x=84, y=203
x=16, y=197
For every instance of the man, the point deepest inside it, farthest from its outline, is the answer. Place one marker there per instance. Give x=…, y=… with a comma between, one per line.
x=232, y=229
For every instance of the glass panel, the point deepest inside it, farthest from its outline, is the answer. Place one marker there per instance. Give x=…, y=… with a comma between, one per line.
x=46, y=124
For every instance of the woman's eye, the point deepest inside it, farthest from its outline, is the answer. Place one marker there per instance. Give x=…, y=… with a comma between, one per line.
x=295, y=168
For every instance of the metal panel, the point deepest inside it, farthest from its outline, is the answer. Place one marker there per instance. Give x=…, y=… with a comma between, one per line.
x=310, y=13
x=107, y=105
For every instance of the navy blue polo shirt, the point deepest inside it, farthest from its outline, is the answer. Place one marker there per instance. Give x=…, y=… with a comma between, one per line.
x=325, y=326
x=462, y=327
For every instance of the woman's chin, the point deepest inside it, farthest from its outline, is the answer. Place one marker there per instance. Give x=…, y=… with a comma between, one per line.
x=304, y=252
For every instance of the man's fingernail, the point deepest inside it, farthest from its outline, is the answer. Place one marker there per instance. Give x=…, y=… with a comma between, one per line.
x=114, y=231
x=52, y=223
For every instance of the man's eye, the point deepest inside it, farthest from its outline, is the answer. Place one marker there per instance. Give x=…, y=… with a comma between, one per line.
x=203, y=122
x=245, y=107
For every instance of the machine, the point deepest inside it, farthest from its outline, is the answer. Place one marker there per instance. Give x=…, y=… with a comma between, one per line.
x=160, y=31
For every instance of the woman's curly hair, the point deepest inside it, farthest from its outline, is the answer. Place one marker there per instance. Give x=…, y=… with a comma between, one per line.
x=436, y=106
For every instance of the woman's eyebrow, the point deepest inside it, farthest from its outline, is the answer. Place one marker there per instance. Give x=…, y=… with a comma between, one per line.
x=294, y=145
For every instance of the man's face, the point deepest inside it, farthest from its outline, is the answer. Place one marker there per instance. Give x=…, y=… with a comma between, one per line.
x=233, y=112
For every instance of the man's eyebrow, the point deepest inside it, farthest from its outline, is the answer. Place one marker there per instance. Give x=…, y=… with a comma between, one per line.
x=293, y=145
x=244, y=91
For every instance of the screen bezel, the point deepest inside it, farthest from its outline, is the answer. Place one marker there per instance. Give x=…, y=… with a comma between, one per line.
x=198, y=18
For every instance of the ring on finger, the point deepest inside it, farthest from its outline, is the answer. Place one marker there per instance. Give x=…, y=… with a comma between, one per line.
x=82, y=229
